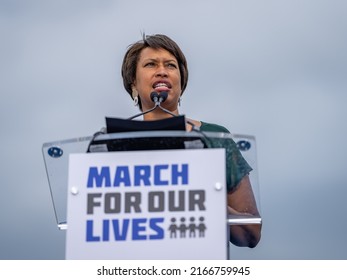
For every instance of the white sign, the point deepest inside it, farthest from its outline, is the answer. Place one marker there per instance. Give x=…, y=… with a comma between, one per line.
x=147, y=205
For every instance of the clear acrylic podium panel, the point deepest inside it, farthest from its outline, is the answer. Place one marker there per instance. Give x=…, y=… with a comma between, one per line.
x=56, y=157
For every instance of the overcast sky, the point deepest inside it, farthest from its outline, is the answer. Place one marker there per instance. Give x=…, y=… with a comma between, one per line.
x=273, y=69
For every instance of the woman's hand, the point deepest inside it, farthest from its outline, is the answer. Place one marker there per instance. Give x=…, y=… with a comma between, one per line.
x=241, y=202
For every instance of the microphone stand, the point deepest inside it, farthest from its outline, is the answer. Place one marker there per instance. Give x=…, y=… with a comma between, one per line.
x=162, y=97
x=143, y=113
x=158, y=99
x=155, y=98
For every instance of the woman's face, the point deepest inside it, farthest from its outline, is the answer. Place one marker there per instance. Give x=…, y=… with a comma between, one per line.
x=158, y=70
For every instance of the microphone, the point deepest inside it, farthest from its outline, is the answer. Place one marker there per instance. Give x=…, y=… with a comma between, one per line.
x=156, y=99
x=154, y=96
x=163, y=96
x=159, y=98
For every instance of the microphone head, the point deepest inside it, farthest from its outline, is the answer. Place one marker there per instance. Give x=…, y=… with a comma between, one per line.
x=154, y=96
x=163, y=96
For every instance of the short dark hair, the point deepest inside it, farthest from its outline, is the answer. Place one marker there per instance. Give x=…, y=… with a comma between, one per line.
x=157, y=41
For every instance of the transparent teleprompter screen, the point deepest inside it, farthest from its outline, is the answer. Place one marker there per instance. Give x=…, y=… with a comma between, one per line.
x=56, y=157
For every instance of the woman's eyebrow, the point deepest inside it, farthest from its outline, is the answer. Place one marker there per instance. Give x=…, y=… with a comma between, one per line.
x=158, y=59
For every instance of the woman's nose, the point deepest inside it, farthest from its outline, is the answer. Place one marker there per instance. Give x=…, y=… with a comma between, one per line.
x=161, y=71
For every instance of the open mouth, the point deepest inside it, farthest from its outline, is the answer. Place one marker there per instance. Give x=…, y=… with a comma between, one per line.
x=161, y=86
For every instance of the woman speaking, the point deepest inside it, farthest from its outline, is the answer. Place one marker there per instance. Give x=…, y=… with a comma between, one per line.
x=157, y=64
